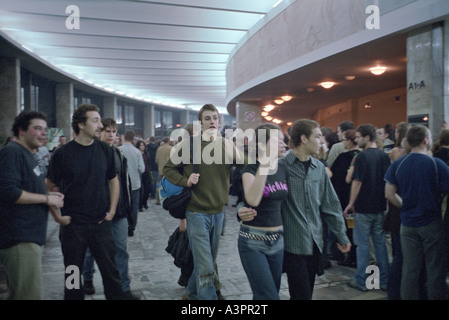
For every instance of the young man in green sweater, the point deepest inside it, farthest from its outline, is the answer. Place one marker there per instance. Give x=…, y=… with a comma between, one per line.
x=210, y=189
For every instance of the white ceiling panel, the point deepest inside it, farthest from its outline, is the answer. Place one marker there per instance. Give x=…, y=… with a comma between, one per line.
x=171, y=50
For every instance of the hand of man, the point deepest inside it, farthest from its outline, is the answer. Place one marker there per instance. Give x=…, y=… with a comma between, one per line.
x=193, y=179
x=344, y=248
x=56, y=200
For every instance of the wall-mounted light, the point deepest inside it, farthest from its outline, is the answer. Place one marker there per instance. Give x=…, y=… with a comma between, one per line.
x=269, y=118
x=367, y=105
x=264, y=114
x=289, y=123
x=377, y=71
x=286, y=98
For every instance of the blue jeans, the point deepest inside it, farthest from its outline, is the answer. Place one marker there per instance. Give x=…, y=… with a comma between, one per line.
x=368, y=225
x=120, y=235
x=423, y=244
x=262, y=262
x=204, y=232
x=135, y=198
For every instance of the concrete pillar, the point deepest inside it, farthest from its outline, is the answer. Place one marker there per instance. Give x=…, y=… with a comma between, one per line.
x=110, y=107
x=248, y=116
x=148, y=121
x=427, y=73
x=9, y=93
x=64, y=108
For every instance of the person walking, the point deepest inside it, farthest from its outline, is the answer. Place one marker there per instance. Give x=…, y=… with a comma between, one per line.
x=311, y=198
x=261, y=242
x=210, y=189
x=367, y=201
x=135, y=169
x=84, y=171
x=24, y=203
x=161, y=158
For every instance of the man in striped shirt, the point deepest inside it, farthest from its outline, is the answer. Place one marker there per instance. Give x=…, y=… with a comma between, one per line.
x=311, y=198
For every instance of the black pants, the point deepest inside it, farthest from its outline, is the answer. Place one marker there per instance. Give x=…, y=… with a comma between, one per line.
x=75, y=239
x=301, y=273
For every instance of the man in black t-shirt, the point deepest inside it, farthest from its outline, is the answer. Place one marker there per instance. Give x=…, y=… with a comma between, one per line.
x=84, y=171
x=24, y=203
x=367, y=201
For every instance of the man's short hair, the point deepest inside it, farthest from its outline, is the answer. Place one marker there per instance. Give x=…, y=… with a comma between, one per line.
x=23, y=120
x=130, y=135
x=346, y=125
x=368, y=130
x=302, y=127
x=416, y=135
x=206, y=107
x=80, y=115
x=108, y=122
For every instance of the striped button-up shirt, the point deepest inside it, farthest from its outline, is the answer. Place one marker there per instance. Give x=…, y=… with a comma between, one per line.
x=311, y=196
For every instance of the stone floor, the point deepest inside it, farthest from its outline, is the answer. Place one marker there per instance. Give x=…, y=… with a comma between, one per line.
x=154, y=275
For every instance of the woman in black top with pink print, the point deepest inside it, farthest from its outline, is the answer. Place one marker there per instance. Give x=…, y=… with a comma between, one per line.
x=260, y=243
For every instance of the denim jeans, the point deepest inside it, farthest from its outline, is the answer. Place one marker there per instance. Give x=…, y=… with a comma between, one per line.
x=262, y=262
x=75, y=239
x=423, y=244
x=368, y=225
x=120, y=234
x=204, y=231
x=135, y=198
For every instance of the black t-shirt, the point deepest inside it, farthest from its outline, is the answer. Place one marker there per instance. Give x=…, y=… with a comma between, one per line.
x=339, y=171
x=370, y=167
x=443, y=154
x=19, y=171
x=82, y=174
x=276, y=190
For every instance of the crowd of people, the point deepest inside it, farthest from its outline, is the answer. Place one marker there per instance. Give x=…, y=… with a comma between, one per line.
x=319, y=195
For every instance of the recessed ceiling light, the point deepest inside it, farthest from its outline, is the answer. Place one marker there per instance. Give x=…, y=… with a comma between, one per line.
x=327, y=84
x=286, y=98
x=378, y=70
x=279, y=101
x=268, y=108
x=349, y=78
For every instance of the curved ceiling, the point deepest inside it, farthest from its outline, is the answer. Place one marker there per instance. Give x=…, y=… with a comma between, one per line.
x=171, y=52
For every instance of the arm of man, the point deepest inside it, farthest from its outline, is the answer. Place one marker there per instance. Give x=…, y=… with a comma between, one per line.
x=62, y=220
x=140, y=164
x=171, y=172
x=332, y=215
x=114, y=194
x=392, y=196
x=355, y=190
